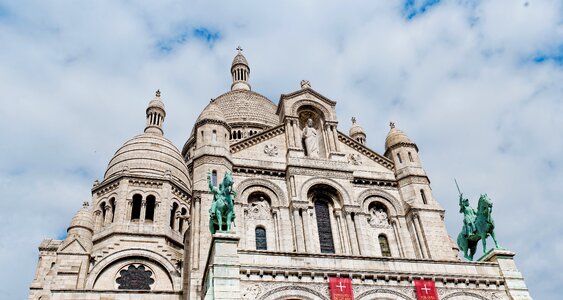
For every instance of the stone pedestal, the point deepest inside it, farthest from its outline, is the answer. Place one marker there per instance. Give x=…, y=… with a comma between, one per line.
x=222, y=273
x=515, y=285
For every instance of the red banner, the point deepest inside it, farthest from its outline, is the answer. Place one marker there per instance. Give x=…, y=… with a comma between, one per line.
x=341, y=288
x=425, y=290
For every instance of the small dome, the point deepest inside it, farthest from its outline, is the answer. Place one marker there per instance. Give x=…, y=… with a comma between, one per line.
x=83, y=218
x=149, y=155
x=356, y=129
x=395, y=137
x=156, y=102
x=239, y=59
x=211, y=112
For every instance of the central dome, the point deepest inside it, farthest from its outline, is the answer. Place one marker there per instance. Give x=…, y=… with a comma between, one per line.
x=243, y=107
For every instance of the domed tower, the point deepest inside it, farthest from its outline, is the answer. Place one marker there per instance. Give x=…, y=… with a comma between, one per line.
x=357, y=132
x=240, y=72
x=141, y=211
x=425, y=215
x=82, y=227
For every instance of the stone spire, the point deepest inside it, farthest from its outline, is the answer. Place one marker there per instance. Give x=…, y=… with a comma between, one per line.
x=240, y=72
x=357, y=132
x=155, y=115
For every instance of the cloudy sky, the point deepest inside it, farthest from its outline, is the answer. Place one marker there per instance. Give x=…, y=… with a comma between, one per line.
x=478, y=85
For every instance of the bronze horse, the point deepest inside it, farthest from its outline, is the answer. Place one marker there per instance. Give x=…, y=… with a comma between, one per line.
x=476, y=226
x=221, y=213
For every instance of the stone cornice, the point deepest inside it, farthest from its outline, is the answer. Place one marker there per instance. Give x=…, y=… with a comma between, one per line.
x=256, y=139
x=377, y=182
x=211, y=121
x=112, y=183
x=413, y=145
x=350, y=142
x=259, y=171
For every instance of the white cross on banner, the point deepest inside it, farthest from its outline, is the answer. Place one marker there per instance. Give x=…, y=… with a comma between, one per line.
x=425, y=290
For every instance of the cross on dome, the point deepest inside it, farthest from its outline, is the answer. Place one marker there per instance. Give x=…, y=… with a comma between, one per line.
x=157, y=94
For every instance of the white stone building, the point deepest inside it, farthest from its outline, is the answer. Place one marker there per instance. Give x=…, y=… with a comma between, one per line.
x=311, y=203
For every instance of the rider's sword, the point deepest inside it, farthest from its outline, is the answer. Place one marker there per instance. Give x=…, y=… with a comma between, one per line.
x=457, y=186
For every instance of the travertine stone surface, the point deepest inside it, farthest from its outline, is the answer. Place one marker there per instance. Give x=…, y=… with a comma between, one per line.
x=375, y=212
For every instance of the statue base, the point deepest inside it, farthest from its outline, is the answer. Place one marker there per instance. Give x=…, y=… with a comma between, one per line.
x=222, y=273
x=514, y=281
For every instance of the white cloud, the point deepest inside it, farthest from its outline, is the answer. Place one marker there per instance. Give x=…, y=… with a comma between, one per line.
x=459, y=78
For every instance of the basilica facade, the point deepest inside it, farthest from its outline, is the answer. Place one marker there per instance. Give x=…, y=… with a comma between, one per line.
x=311, y=203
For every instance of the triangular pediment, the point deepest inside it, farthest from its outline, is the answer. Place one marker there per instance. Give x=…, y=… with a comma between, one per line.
x=273, y=137
x=306, y=93
x=360, y=155
x=73, y=246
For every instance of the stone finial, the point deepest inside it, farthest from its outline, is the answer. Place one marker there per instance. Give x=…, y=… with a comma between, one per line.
x=353, y=120
x=157, y=94
x=239, y=48
x=305, y=84
x=392, y=124
x=85, y=204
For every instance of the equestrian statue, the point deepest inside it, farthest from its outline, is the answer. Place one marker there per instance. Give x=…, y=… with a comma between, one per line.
x=222, y=212
x=477, y=225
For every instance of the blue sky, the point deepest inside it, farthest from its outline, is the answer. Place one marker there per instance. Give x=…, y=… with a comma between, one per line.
x=478, y=85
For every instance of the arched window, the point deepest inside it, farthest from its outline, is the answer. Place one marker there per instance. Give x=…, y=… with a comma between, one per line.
x=261, y=243
x=112, y=204
x=103, y=208
x=384, y=245
x=214, y=177
x=181, y=221
x=423, y=196
x=399, y=158
x=151, y=204
x=136, y=210
x=410, y=157
x=323, y=224
x=173, y=214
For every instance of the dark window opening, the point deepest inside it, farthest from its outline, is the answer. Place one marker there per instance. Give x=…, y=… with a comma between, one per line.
x=151, y=204
x=410, y=157
x=214, y=177
x=173, y=214
x=261, y=243
x=399, y=158
x=323, y=224
x=384, y=245
x=136, y=210
x=423, y=196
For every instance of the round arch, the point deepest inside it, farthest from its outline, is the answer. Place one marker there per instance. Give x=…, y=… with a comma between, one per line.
x=342, y=192
x=382, y=292
x=389, y=200
x=293, y=292
x=463, y=295
x=248, y=186
x=327, y=116
x=124, y=254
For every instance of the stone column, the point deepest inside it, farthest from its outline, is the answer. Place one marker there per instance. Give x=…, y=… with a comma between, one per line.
x=362, y=236
x=129, y=209
x=336, y=143
x=298, y=225
x=397, y=237
x=330, y=137
x=336, y=237
x=222, y=274
x=418, y=234
x=307, y=230
x=290, y=134
x=98, y=219
x=275, y=216
x=423, y=236
x=297, y=134
x=143, y=210
x=107, y=209
x=344, y=234
x=196, y=230
x=352, y=234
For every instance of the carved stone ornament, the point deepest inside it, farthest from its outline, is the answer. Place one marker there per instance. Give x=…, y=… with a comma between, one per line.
x=379, y=218
x=271, y=150
x=259, y=210
x=251, y=292
x=135, y=278
x=354, y=159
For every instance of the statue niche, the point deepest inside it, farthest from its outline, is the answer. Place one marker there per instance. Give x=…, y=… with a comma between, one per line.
x=312, y=133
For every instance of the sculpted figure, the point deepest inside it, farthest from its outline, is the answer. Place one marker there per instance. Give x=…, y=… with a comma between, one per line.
x=222, y=213
x=468, y=216
x=311, y=140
